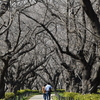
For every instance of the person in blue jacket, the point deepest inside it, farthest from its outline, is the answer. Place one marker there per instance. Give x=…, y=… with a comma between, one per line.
x=48, y=89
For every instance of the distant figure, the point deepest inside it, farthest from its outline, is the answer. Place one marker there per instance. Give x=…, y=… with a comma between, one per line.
x=48, y=89
x=44, y=92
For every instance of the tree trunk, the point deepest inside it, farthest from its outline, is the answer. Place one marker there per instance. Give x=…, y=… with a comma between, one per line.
x=85, y=81
x=2, y=75
x=96, y=82
x=2, y=91
x=87, y=6
x=2, y=86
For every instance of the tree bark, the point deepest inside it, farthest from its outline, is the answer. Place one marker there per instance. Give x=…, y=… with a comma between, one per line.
x=2, y=82
x=4, y=7
x=95, y=82
x=87, y=6
x=2, y=86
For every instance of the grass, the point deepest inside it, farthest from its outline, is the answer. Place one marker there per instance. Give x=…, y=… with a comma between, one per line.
x=54, y=98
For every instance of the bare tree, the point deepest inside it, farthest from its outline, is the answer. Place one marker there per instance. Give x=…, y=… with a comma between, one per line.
x=77, y=43
x=18, y=40
x=39, y=28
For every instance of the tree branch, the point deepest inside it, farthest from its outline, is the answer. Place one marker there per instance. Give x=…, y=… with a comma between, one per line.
x=87, y=6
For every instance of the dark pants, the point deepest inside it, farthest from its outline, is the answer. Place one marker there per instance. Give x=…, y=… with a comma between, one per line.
x=44, y=96
x=48, y=95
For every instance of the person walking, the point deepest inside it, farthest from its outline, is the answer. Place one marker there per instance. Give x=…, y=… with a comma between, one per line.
x=44, y=92
x=48, y=89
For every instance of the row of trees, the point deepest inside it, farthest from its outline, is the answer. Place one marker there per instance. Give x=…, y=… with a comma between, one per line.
x=49, y=40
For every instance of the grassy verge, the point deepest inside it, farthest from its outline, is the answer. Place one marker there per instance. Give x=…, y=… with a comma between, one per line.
x=78, y=96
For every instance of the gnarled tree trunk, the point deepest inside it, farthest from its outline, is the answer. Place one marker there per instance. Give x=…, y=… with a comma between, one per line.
x=2, y=87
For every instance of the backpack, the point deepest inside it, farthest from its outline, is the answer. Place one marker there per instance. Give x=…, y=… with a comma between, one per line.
x=50, y=90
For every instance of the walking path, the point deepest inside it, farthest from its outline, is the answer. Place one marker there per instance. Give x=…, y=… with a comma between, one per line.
x=38, y=97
